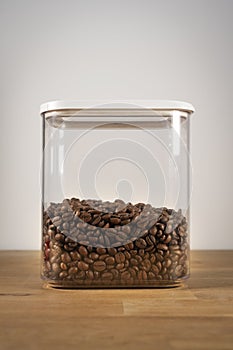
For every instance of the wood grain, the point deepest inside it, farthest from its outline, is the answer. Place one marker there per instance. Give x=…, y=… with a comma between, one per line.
x=198, y=315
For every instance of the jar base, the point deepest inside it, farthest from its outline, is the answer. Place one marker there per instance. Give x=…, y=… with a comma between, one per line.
x=148, y=284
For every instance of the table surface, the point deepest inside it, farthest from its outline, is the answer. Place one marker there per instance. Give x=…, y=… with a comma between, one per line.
x=198, y=315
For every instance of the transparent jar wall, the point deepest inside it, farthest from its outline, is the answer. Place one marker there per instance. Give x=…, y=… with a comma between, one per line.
x=117, y=157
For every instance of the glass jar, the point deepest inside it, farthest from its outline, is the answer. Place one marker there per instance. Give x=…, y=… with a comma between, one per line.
x=115, y=193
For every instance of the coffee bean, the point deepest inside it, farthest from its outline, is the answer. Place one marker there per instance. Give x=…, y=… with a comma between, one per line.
x=80, y=275
x=127, y=255
x=59, y=237
x=120, y=266
x=133, y=262
x=99, y=266
x=120, y=257
x=56, y=219
x=129, y=246
x=72, y=270
x=90, y=274
x=167, y=263
x=115, y=273
x=151, y=276
x=106, y=216
x=167, y=239
x=88, y=260
x=112, y=251
x=155, y=269
x=55, y=267
x=103, y=256
x=83, y=251
x=96, y=220
x=140, y=243
x=83, y=266
x=110, y=260
x=125, y=275
x=179, y=270
x=115, y=221
x=146, y=265
x=107, y=276
x=162, y=246
x=63, y=266
x=93, y=256
x=63, y=274
x=65, y=257
x=101, y=251
x=126, y=229
x=153, y=230
x=75, y=256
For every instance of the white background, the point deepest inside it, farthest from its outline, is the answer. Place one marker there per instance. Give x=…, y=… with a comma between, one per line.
x=106, y=49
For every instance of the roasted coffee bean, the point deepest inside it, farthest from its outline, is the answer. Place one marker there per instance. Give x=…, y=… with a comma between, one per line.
x=93, y=256
x=107, y=276
x=127, y=255
x=125, y=275
x=120, y=257
x=115, y=273
x=101, y=251
x=139, y=258
x=99, y=266
x=115, y=221
x=153, y=230
x=63, y=274
x=151, y=276
x=65, y=257
x=88, y=260
x=90, y=274
x=72, y=270
x=142, y=275
x=112, y=251
x=59, y=237
x=103, y=257
x=96, y=220
x=133, y=262
x=106, y=217
x=83, y=251
x=141, y=252
x=110, y=260
x=167, y=239
x=120, y=266
x=121, y=249
x=63, y=266
x=80, y=275
x=179, y=270
x=126, y=229
x=56, y=267
x=75, y=256
x=162, y=246
x=155, y=269
x=146, y=265
x=83, y=266
x=141, y=243
x=129, y=246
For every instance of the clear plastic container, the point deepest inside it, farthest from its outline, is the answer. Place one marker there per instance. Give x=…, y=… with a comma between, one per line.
x=115, y=193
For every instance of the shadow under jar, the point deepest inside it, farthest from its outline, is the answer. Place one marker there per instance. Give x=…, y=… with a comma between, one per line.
x=115, y=193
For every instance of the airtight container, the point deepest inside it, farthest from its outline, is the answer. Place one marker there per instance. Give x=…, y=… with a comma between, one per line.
x=115, y=193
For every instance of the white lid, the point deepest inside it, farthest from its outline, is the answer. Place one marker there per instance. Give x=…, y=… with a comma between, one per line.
x=117, y=104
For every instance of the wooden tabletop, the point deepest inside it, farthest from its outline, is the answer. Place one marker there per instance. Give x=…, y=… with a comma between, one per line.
x=196, y=316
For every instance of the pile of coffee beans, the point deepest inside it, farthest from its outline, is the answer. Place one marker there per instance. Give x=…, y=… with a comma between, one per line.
x=96, y=243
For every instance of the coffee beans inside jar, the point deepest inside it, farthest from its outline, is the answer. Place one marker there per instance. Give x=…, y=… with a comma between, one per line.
x=96, y=243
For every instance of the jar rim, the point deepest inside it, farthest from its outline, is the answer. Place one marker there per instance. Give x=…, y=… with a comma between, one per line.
x=157, y=105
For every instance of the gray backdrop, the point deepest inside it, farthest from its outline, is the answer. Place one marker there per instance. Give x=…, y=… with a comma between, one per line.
x=175, y=49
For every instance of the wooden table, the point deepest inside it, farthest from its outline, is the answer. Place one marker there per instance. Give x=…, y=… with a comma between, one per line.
x=196, y=316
